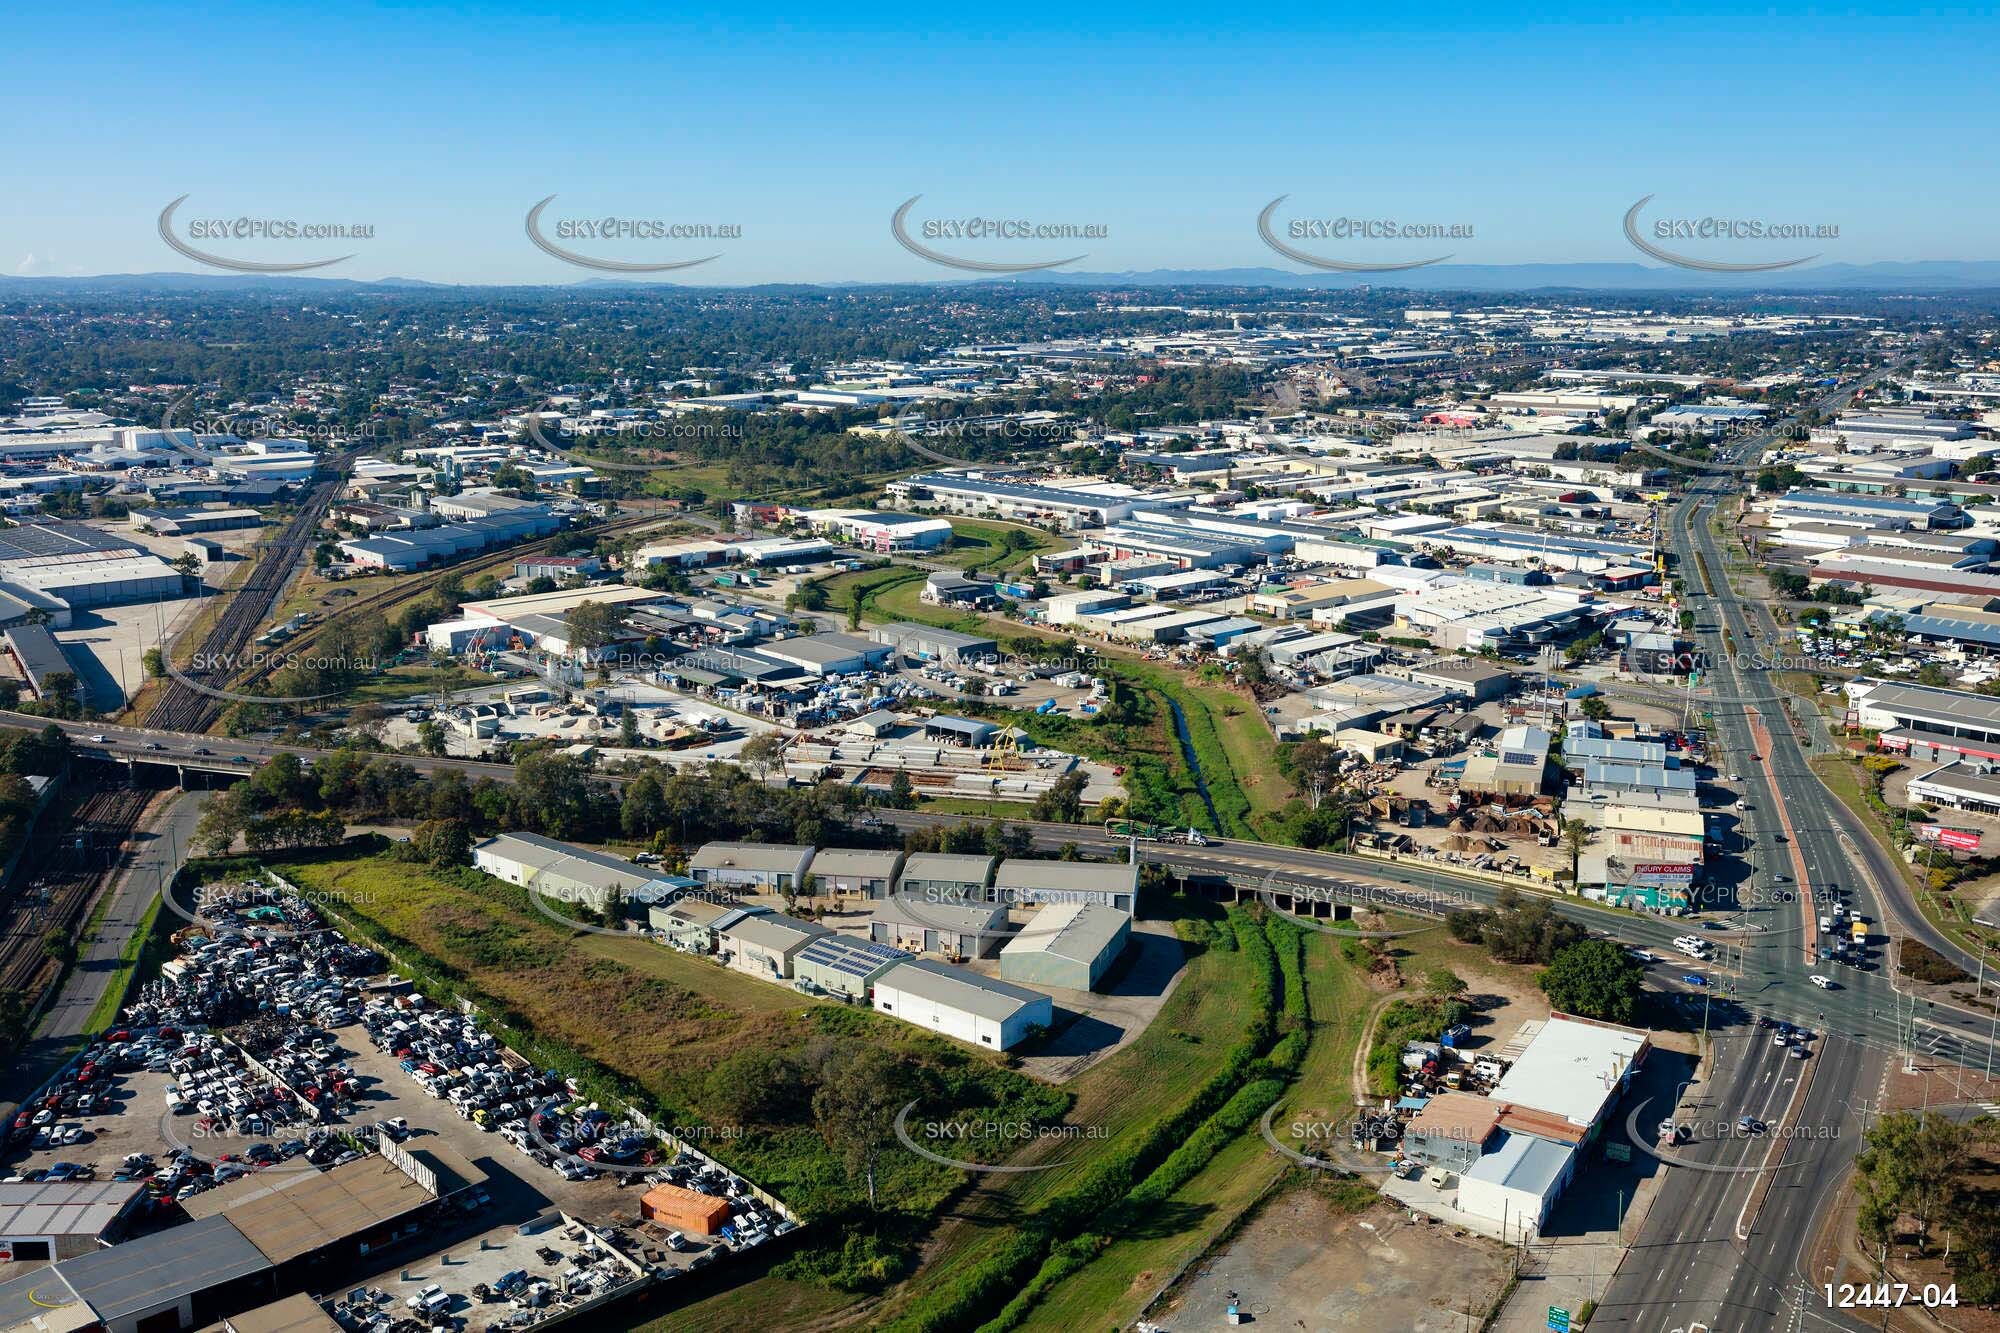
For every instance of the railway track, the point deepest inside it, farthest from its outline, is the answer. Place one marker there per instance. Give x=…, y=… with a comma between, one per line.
x=73, y=851
x=409, y=589
x=182, y=707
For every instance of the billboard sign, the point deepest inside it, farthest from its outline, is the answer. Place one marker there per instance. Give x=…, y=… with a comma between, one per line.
x=1958, y=839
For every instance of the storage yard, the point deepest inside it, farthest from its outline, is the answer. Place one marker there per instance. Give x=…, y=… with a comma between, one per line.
x=271, y=1058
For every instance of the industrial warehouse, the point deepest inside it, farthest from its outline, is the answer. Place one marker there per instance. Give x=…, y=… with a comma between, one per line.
x=241, y=1249
x=1498, y=1161
x=80, y=566
x=1061, y=924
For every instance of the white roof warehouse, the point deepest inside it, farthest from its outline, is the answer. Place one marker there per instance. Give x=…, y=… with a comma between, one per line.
x=958, y=1004
x=572, y=874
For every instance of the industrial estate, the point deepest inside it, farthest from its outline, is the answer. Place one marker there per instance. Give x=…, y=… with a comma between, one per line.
x=1398, y=792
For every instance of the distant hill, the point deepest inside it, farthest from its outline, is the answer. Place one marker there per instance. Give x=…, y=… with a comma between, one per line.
x=1932, y=276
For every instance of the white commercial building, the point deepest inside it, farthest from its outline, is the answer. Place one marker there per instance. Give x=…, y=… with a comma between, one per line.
x=1516, y=1183
x=558, y=870
x=960, y=1004
x=757, y=866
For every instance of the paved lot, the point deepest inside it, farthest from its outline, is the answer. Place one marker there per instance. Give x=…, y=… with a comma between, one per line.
x=132, y=1125
x=484, y=1259
x=520, y=1188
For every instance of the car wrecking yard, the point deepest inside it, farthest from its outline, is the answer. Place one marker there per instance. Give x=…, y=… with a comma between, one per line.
x=277, y=1086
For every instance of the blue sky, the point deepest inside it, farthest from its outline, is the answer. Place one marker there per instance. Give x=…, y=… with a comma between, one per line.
x=440, y=128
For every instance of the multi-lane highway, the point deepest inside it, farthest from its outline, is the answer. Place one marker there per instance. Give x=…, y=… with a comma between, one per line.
x=1702, y=1257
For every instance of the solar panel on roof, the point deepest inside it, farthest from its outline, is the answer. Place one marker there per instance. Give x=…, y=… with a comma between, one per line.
x=855, y=958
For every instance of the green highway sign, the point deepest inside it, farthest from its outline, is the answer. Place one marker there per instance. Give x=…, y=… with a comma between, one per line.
x=1558, y=1319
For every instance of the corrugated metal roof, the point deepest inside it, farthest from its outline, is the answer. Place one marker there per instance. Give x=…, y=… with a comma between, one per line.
x=68, y=1208
x=974, y=994
x=135, y=1277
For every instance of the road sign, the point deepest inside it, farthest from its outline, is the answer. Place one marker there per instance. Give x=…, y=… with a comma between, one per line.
x=1558, y=1319
x=1618, y=1152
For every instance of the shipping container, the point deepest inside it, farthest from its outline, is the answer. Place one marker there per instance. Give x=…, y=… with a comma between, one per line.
x=684, y=1209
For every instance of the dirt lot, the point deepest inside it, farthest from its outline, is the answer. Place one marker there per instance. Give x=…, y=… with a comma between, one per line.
x=1302, y=1264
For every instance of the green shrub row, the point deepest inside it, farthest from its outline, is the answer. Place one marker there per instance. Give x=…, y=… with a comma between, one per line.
x=1181, y=1166
x=966, y=1301
x=1289, y=940
x=1225, y=787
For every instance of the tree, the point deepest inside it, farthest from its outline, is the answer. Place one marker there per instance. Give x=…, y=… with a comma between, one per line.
x=853, y=615
x=644, y=810
x=1062, y=803
x=60, y=945
x=431, y=736
x=222, y=820
x=1443, y=983
x=1593, y=979
x=154, y=662
x=1314, y=767
x=13, y=1018
x=764, y=753
x=628, y=727
x=1518, y=929
x=442, y=842
x=1575, y=836
x=1915, y=1164
x=594, y=625
x=902, y=791
x=1596, y=709
x=861, y=1091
